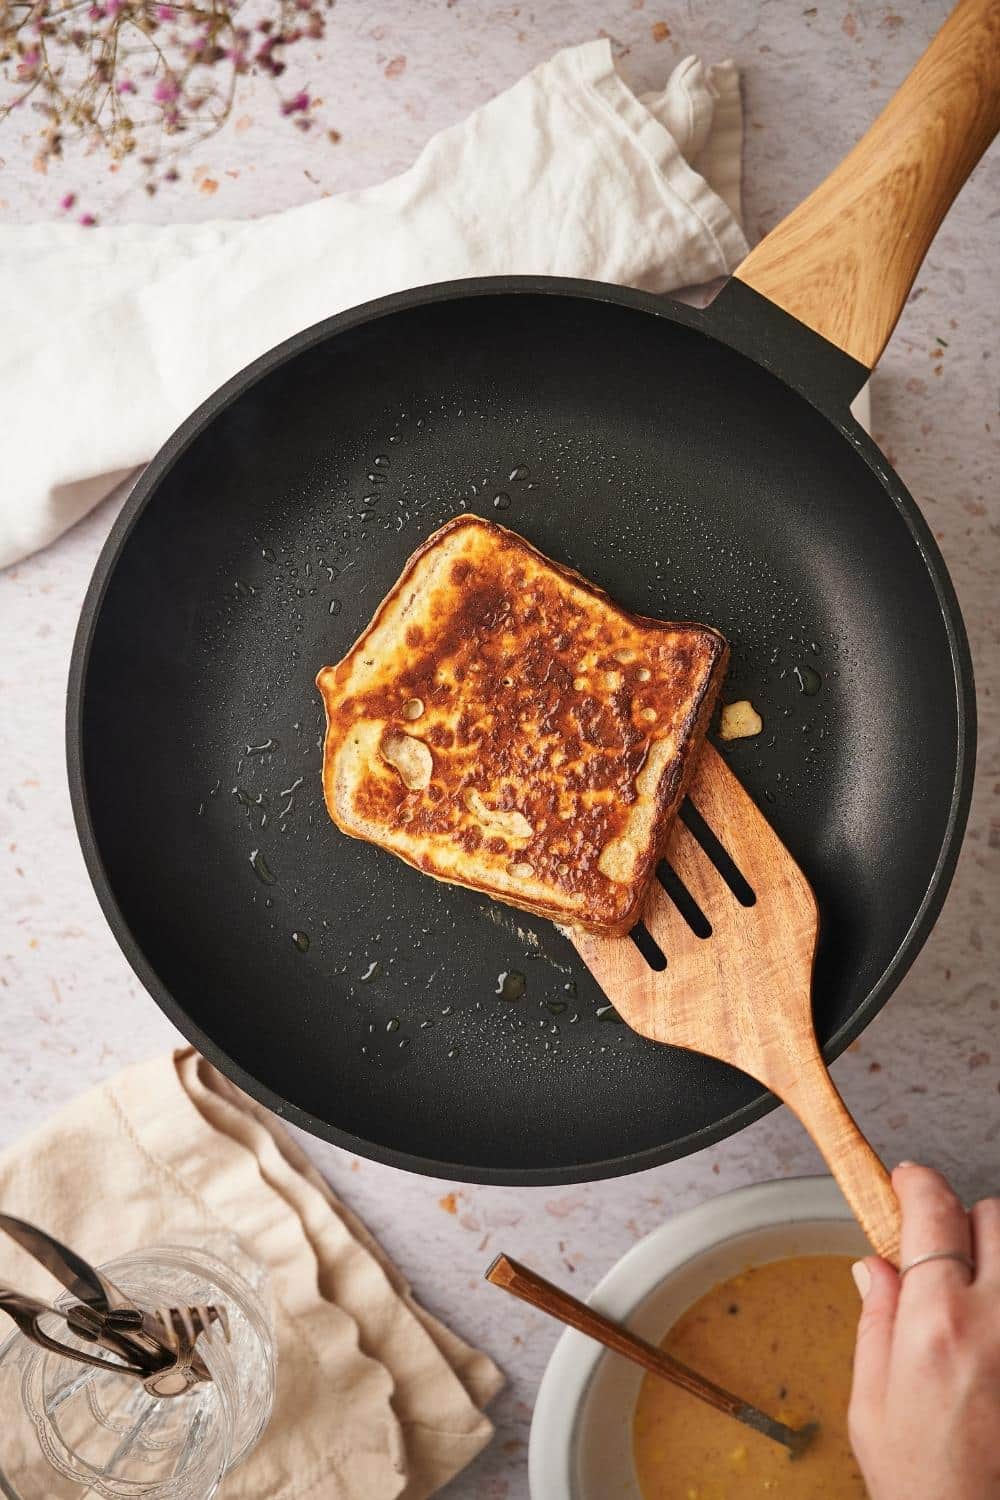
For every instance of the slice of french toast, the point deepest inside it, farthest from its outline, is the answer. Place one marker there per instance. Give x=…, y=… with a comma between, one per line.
x=503, y=725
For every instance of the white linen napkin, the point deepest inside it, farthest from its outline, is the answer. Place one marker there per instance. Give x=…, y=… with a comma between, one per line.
x=111, y=336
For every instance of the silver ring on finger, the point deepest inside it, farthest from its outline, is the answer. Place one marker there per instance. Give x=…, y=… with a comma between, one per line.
x=920, y=1260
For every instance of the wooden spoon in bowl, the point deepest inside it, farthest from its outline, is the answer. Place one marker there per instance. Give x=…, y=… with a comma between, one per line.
x=549, y=1298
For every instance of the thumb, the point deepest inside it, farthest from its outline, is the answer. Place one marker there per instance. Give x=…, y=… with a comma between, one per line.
x=878, y=1284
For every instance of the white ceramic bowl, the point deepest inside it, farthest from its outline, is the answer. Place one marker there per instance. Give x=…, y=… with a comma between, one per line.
x=581, y=1431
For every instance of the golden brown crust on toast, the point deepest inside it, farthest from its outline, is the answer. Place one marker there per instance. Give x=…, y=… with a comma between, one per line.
x=502, y=724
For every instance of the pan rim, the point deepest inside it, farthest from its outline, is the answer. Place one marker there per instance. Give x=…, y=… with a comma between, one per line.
x=143, y=492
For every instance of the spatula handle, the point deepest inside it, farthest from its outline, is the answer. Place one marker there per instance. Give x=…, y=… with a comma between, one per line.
x=861, y=1177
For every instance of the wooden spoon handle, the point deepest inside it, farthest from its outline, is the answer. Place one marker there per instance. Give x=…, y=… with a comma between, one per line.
x=843, y=262
x=812, y=1095
x=534, y=1289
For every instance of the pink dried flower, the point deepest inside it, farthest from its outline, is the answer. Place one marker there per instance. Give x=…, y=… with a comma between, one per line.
x=76, y=59
x=87, y=220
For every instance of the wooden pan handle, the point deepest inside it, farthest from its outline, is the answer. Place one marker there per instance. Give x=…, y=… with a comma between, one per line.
x=843, y=262
x=861, y=1177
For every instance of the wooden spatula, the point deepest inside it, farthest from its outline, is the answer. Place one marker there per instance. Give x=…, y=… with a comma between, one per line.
x=742, y=993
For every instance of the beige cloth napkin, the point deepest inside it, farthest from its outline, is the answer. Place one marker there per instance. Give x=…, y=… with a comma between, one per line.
x=375, y=1398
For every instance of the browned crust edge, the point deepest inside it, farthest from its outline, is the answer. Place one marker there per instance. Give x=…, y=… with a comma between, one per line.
x=695, y=730
x=670, y=793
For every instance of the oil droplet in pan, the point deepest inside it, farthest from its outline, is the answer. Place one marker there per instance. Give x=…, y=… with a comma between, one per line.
x=510, y=985
x=261, y=868
x=808, y=679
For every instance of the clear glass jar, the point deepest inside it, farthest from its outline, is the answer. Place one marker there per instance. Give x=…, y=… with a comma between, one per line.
x=69, y=1430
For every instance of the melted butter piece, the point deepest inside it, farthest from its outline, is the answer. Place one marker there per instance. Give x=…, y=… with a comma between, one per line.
x=740, y=721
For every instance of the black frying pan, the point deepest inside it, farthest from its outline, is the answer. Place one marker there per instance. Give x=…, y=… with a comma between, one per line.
x=696, y=464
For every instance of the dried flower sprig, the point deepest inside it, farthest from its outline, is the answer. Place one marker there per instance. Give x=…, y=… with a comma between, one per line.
x=142, y=78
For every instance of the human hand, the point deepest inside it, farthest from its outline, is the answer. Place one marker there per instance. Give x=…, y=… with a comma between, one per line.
x=924, y=1417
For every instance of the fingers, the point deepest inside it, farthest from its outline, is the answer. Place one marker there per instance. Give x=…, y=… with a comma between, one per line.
x=879, y=1287
x=986, y=1241
x=933, y=1220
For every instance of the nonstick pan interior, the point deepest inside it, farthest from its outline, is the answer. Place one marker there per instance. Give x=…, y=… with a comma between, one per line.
x=376, y=1006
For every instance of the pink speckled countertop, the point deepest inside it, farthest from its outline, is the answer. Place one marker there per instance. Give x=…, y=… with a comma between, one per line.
x=925, y=1077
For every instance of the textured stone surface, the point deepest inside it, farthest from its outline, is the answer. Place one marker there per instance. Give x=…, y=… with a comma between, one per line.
x=925, y=1077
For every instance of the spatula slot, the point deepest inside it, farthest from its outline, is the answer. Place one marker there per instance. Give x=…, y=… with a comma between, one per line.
x=648, y=947
x=683, y=900
x=720, y=857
